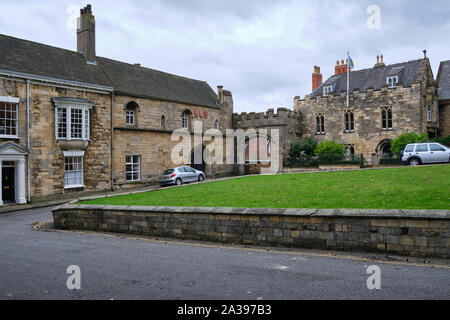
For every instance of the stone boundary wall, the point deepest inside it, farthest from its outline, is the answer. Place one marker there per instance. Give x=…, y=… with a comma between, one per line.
x=416, y=233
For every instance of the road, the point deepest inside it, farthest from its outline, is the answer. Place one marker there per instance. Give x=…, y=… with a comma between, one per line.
x=33, y=265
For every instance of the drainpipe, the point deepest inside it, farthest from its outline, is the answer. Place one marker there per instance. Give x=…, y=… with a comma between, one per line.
x=112, y=140
x=28, y=142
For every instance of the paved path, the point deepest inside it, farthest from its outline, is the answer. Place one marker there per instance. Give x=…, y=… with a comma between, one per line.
x=33, y=266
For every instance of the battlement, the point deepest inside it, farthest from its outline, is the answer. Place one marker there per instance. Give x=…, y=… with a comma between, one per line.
x=282, y=113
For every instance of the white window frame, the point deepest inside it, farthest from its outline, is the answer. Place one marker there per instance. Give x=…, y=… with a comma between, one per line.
x=13, y=101
x=185, y=120
x=74, y=155
x=327, y=90
x=85, y=117
x=392, y=81
x=132, y=163
x=130, y=115
x=429, y=113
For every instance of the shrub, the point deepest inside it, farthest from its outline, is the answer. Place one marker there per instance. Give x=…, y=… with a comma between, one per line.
x=443, y=140
x=330, y=150
x=305, y=147
x=399, y=144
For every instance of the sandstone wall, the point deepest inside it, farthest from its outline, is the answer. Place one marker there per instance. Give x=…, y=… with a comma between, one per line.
x=406, y=232
x=407, y=108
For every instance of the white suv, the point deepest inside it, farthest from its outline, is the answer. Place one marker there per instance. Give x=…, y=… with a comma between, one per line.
x=421, y=153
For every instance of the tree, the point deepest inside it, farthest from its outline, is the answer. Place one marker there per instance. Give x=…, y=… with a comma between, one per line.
x=330, y=150
x=399, y=144
x=305, y=147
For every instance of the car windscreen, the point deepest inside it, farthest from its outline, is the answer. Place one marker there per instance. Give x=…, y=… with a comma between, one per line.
x=167, y=172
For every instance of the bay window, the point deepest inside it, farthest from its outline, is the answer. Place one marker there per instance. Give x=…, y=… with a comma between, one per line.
x=72, y=118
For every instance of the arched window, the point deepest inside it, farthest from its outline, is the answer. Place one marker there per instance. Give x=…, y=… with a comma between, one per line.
x=186, y=119
x=349, y=121
x=429, y=113
x=386, y=118
x=349, y=151
x=216, y=125
x=130, y=113
x=320, y=123
x=163, y=121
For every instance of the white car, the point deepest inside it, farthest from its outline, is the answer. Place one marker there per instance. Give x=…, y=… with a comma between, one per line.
x=424, y=153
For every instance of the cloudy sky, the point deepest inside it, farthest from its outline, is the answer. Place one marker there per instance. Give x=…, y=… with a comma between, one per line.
x=262, y=50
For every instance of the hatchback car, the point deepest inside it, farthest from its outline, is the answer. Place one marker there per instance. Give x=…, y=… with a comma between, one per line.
x=180, y=175
x=424, y=153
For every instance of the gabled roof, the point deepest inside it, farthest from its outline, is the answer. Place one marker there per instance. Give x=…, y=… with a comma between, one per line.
x=27, y=57
x=443, y=80
x=375, y=78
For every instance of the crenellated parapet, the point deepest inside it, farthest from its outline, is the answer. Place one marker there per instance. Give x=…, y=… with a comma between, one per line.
x=261, y=119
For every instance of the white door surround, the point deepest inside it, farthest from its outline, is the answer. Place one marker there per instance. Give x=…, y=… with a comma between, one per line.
x=12, y=152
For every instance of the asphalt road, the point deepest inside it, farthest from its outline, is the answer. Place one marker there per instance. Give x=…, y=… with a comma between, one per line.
x=33, y=265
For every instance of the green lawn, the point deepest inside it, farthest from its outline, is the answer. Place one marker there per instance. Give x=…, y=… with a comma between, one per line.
x=403, y=188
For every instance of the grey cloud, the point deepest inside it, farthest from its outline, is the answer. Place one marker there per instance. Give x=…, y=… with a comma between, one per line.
x=262, y=50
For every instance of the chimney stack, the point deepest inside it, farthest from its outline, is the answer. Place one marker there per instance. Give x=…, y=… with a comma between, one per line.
x=86, y=34
x=316, y=78
x=340, y=68
x=220, y=93
x=380, y=62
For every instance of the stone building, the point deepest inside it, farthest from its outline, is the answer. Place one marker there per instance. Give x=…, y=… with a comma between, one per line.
x=75, y=122
x=443, y=80
x=287, y=122
x=384, y=102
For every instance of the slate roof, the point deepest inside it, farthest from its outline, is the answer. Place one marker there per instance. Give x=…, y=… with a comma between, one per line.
x=23, y=56
x=443, y=80
x=139, y=81
x=38, y=59
x=408, y=72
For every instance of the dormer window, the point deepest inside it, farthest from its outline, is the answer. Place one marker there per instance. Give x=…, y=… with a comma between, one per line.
x=392, y=81
x=327, y=90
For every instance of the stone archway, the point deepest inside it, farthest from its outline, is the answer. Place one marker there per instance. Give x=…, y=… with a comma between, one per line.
x=384, y=149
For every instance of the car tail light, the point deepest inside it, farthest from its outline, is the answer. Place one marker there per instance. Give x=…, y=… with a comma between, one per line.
x=173, y=176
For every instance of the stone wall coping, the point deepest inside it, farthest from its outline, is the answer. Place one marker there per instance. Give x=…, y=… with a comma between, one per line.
x=349, y=213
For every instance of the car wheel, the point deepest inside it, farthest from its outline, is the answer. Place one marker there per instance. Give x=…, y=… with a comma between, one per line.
x=178, y=182
x=201, y=178
x=414, y=162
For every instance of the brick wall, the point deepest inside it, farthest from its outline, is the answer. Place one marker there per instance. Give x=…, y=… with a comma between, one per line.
x=415, y=233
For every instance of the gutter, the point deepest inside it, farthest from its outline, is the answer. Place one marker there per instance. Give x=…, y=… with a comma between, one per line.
x=28, y=142
x=112, y=140
x=62, y=83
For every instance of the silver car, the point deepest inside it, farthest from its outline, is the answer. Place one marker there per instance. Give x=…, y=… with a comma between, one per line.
x=423, y=153
x=180, y=175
